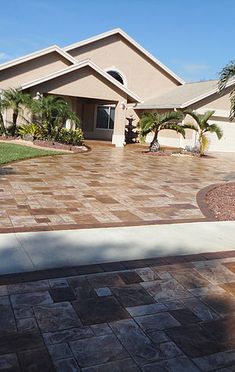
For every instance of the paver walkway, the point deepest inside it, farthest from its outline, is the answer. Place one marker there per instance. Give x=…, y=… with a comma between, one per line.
x=166, y=314
x=107, y=186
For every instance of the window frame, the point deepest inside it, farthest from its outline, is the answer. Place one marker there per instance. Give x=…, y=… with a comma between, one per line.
x=109, y=106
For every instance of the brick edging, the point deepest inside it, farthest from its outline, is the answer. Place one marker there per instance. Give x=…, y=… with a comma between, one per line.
x=201, y=201
x=106, y=267
x=46, y=228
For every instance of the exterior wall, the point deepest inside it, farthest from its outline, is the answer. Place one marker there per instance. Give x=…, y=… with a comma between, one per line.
x=15, y=76
x=214, y=102
x=170, y=138
x=227, y=142
x=81, y=83
x=143, y=76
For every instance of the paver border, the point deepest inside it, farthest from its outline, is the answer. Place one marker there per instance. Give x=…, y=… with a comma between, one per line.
x=201, y=200
x=62, y=272
x=64, y=227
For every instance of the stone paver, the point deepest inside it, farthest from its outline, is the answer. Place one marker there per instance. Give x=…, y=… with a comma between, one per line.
x=172, y=317
x=80, y=190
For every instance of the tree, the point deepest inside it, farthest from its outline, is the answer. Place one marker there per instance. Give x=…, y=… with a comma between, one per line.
x=155, y=122
x=51, y=113
x=202, y=127
x=227, y=73
x=16, y=100
x=2, y=108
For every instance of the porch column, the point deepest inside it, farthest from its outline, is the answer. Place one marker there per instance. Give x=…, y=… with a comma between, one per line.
x=118, y=138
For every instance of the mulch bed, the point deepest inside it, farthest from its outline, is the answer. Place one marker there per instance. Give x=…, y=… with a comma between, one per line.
x=49, y=144
x=221, y=201
x=60, y=146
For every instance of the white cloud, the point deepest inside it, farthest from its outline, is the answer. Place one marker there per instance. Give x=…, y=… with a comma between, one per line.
x=192, y=68
x=3, y=56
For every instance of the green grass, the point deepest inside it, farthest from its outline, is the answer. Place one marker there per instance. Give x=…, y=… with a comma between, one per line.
x=11, y=152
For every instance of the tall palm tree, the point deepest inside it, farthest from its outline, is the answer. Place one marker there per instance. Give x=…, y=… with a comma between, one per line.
x=227, y=73
x=2, y=108
x=155, y=122
x=16, y=100
x=51, y=113
x=202, y=127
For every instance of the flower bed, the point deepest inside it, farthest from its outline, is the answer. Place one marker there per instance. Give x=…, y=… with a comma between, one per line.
x=221, y=201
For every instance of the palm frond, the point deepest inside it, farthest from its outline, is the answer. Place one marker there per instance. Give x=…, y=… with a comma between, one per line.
x=173, y=126
x=194, y=115
x=205, y=117
x=214, y=128
x=226, y=73
x=232, y=108
x=174, y=116
x=190, y=126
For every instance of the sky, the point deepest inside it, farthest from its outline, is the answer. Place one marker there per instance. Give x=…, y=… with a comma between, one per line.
x=194, y=38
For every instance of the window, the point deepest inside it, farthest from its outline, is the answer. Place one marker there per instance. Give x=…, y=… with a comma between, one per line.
x=116, y=76
x=105, y=117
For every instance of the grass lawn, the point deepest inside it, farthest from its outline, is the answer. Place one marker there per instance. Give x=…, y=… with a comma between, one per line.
x=11, y=152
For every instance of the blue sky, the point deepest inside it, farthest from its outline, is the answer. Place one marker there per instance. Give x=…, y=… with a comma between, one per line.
x=195, y=38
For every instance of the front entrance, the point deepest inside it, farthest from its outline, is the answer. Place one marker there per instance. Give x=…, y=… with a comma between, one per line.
x=98, y=120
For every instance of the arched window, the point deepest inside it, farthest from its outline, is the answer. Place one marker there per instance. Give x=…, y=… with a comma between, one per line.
x=117, y=75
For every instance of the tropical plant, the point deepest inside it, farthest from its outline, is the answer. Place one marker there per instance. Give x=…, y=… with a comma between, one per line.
x=2, y=125
x=202, y=127
x=32, y=130
x=51, y=113
x=16, y=100
x=227, y=73
x=155, y=122
x=71, y=137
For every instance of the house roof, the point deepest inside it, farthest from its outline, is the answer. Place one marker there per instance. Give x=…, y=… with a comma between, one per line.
x=131, y=41
x=39, y=53
x=183, y=96
x=77, y=66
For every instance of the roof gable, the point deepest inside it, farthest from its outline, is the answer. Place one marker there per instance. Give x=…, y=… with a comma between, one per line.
x=131, y=41
x=133, y=97
x=42, y=52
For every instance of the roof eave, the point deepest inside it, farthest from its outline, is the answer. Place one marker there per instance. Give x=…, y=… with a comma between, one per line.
x=205, y=95
x=82, y=64
x=42, y=52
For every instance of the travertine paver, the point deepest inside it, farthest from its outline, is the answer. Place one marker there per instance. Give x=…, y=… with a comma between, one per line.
x=106, y=186
x=133, y=322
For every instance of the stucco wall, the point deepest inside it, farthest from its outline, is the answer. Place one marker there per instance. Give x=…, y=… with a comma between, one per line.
x=143, y=76
x=15, y=76
x=84, y=82
x=214, y=102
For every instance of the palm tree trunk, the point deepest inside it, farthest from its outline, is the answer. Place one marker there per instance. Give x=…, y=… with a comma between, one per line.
x=14, y=121
x=2, y=124
x=154, y=145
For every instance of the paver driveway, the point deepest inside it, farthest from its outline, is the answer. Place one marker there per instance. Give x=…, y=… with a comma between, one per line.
x=106, y=186
x=166, y=314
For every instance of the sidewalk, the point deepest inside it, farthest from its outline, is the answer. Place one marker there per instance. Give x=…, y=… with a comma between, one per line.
x=22, y=252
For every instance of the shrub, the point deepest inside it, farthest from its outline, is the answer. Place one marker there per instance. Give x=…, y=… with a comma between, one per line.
x=71, y=137
x=32, y=130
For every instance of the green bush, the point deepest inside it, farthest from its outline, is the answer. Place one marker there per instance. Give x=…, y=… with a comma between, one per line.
x=30, y=130
x=71, y=137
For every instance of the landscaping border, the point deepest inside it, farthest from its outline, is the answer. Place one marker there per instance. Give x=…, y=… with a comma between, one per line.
x=105, y=267
x=201, y=201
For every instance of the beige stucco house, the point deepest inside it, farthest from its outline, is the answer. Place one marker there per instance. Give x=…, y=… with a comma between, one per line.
x=110, y=77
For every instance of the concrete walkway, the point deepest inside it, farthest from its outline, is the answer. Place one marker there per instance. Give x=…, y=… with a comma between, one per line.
x=22, y=252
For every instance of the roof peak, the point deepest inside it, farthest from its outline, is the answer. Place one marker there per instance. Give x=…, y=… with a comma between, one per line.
x=131, y=41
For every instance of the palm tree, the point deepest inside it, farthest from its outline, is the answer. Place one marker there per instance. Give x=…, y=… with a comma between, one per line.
x=227, y=73
x=155, y=122
x=51, y=112
x=202, y=127
x=15, y=99
x=2, y=108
